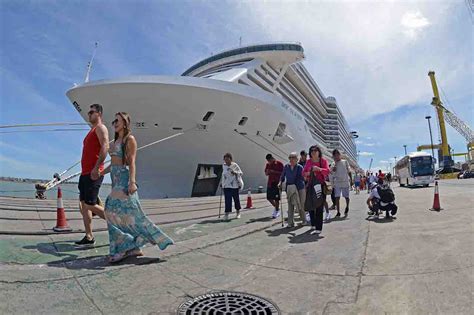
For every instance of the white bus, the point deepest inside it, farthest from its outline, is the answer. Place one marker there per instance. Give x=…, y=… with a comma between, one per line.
x=416, y=168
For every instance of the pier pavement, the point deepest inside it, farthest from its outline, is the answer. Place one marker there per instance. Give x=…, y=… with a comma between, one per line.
x=419, y=263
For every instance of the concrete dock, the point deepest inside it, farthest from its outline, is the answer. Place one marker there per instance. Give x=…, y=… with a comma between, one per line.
x=419, y=263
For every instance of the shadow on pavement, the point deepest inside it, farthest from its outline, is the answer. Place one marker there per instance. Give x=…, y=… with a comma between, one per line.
x=380, y=219
x=264, y=219
x=282, y=230
x=69, y=260
x=305, y=237
x=335, y=219
x=102, y=263
x=221, y=220
x=59, y=249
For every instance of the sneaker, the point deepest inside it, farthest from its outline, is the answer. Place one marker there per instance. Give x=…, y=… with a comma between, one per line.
x=85, y=242
x=317, y=231
x=328, y=216
x=226, y=217
x=275, y=214
x=237, y=214
x=394, y=210
x=338, y=215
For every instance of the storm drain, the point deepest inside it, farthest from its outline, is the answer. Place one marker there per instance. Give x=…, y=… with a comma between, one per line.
x=228, y=303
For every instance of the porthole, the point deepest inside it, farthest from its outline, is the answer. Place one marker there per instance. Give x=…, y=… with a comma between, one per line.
x=243, y=121
x=208, y=116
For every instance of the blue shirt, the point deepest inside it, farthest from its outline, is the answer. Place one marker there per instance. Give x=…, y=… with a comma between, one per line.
x=293, y=177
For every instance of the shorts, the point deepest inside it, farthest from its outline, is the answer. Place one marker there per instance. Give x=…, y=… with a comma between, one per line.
x=89, y=189
x=273, y=193
x=357, y=184
x=341, y=190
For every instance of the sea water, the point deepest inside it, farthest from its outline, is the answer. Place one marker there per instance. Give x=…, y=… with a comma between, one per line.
x=27, y=190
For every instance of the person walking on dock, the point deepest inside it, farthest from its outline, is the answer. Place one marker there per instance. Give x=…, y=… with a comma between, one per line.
x=273, y=170
x=303, y=158
x=341, y=176
x=357, y=182
x=315, y=170
x=231, y=182
x=293, y=177
x=94, y=152
x=372, y=179
x=129, y=228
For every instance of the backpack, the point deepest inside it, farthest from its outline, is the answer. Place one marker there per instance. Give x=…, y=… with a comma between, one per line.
x=386, y=193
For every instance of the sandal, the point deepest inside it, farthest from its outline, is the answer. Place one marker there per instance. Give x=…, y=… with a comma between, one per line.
x=117, y=257
x=137, y=252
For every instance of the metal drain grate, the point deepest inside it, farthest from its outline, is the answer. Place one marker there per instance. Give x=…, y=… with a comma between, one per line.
x=228, y=303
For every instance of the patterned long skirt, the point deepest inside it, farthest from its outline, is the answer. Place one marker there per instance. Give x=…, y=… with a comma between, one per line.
x=129, y=228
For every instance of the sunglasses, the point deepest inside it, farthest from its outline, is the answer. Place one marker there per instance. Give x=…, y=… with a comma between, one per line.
x=114, y=121
x=91, y=112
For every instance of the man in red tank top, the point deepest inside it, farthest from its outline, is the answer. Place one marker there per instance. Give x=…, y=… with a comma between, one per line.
x=94, y=152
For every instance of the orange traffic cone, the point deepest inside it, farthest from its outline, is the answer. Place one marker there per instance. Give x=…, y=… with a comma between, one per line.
x=61, y=222
x=249, y=200
x=436, y=204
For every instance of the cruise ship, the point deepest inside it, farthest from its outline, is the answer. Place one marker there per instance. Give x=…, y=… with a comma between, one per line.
x=249, y=101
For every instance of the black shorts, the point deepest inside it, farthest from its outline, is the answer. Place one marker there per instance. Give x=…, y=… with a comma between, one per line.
x=89, y=189
x=273, y=193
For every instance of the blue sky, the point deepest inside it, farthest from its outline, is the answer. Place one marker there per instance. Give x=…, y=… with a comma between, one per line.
x=372, y=56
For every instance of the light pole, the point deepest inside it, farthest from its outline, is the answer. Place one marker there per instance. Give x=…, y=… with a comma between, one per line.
x=394, y=164
x=431, y=136
x=405, y=146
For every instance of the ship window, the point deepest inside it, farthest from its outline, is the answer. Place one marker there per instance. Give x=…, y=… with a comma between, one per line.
x=243, y=121
x=280, y=130
x=208, y=116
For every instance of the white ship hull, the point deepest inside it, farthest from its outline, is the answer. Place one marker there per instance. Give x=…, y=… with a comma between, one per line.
x=160, y=105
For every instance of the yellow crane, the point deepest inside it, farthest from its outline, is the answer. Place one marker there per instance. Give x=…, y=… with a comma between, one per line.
x=447, y=162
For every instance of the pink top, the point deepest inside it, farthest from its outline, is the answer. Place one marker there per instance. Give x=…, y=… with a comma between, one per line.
x=320, y=175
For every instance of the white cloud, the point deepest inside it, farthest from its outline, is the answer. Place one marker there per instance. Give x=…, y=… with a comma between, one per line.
x=413, y=22
x=359, y=52
x=366, y=153
x=384, y=162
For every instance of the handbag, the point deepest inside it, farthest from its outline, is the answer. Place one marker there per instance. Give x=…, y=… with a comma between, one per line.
x=238, y=177
x=327, y=188
x=327, y=184
x=313, y=198
x=240, y=181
